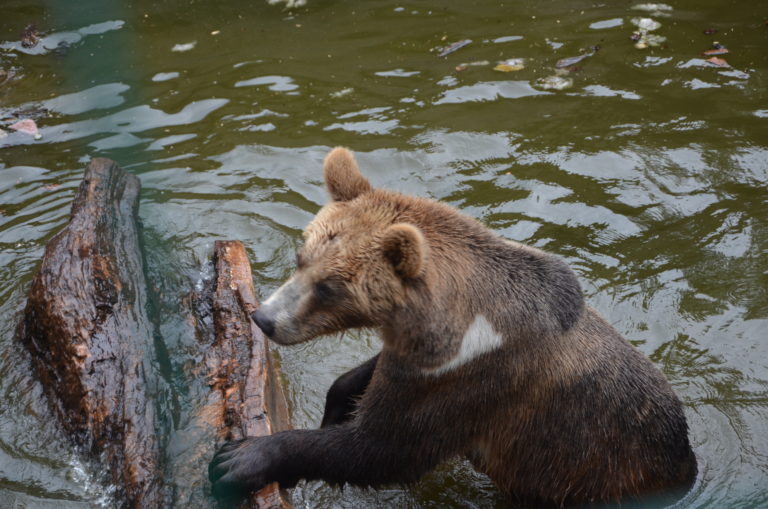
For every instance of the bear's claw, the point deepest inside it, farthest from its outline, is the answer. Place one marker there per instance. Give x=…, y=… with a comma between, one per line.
x=239, y=467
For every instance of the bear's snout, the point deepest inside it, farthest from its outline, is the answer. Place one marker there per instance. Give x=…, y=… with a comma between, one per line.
x=264, y=322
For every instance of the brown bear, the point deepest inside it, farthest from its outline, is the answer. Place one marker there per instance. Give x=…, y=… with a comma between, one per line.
x=489, y=351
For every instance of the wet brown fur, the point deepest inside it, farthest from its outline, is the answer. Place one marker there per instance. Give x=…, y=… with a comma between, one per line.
x=566, y=411
x=538, y=438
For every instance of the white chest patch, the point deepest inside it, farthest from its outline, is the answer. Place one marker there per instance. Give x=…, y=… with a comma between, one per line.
x=480, y=338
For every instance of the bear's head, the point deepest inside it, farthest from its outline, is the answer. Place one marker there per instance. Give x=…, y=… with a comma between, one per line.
x=356, y=265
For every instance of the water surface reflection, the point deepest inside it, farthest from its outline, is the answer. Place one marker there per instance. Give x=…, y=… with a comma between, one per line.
x=648, y=175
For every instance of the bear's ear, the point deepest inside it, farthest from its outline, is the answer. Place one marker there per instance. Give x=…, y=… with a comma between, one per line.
x=405, y=247
x=342, y=176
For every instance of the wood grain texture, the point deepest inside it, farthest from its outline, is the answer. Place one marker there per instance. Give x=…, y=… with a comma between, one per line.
x=240, y=365
x=91, y=341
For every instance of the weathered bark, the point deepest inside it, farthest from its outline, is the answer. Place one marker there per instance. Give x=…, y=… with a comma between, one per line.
x=86, y=326
x=239, y=363
x=242, y=395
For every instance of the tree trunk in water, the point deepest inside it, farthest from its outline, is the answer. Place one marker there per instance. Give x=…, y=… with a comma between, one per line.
x=93, y=350
x=236, y=378
x=87, y=328
x=239, y=364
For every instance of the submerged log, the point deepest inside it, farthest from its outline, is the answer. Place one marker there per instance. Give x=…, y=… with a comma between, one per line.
x=86, y=326
x=240, y=367
x=235, y=385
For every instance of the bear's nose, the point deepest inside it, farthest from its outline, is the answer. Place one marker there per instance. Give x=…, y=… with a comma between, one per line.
x=265, y=323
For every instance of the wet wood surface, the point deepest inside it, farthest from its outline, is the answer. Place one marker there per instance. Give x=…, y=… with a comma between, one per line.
x=86, y=325
x=239, y=364
x=87, y=328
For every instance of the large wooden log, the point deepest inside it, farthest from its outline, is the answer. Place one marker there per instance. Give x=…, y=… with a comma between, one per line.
x=235, y=384
x=239, y=363
x=86, y=326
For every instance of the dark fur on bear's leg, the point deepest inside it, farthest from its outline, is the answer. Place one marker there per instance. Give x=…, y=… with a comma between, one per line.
x=344, y=395
x=241, y=465
x=361, y=452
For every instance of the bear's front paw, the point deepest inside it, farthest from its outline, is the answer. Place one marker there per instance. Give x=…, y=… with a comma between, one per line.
x=240, y=467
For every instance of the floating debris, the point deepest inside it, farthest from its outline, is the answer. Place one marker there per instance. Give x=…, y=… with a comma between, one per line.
x=567, y=62
x=342, y=92
x=646, y=24
x=477, y=63
x=27, y=126
x=33, y=112
x=643, y=39
x=710, y=31
x=647, y=40
x=717, y=49
x=719, y=62
x=571, y=61
x=554, y=82
x=554, y=44
x=184, y=47
x=510, y=65
x=29, y=36
x=51, y=187
x=453, y=47
x=3, y=134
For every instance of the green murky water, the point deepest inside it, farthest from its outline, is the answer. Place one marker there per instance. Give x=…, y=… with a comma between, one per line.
x=648, y=175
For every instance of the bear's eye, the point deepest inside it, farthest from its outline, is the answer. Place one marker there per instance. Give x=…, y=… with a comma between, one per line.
x=325, y=291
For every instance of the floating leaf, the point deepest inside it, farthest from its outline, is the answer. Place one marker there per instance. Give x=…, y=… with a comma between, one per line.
x=720, y=62
x=508, y=68
x=567, y=62
x=476, y=63
x=513, y=64
x=645, y=39
x=29, y=37
x=27, y=126
x=570, y=61
x=453, y=47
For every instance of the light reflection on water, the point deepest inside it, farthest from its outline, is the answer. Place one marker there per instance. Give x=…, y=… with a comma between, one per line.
x=648, y=176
